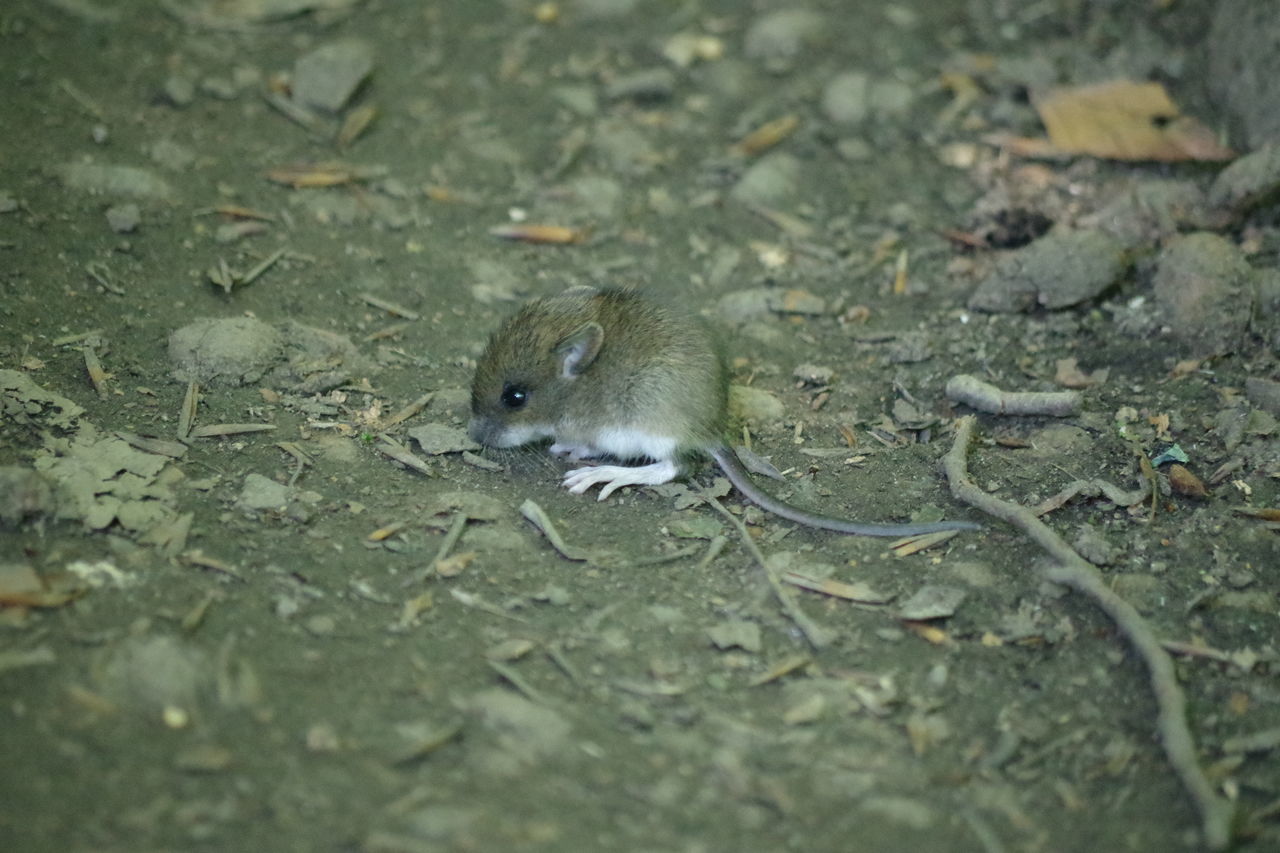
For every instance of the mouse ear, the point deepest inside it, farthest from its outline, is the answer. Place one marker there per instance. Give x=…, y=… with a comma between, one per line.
x=579, y=349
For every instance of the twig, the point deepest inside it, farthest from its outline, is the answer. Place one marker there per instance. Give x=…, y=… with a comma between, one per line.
x=986, y=397
x=446, y=545
x=813, y=632
x=538, y=517
x=187, y=414
x=1071, y=570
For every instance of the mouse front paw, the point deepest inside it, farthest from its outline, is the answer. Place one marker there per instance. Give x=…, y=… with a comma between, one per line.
x=575, y=452
x=616, y=476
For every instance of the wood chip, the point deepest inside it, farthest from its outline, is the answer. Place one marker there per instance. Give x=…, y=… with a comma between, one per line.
x=216, y=430
x=389, y=307
x=556, y=234
x=539, y=519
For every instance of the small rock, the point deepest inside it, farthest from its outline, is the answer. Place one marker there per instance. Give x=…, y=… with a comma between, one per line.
x=624, y=147
x=154, y=672
x=24, y=493
x=1203, y=291
x=932, y=602
x=649, y=84
x=222, y=88
x=579, y=99
x=743, y=305
x=771, y=180
x=328, y=76
x=1094, y=547
x=891, y=97
x=796, y=301
x=754, y=405
x=1243, y=69
x=904, y=811
x=179, y=91
x=1263, y=393
x=475, y=505
x=1059, y=270
x=777, y=38
x=514, y=732
x=736, y=634
x=1150, y=211
x=171, y=155
x=1251, y=181
x=812, y=374
x=846, y=97
x=232, y=351
x=438, y=439
x=114, y=180
x=124, y=218
x=262, y=494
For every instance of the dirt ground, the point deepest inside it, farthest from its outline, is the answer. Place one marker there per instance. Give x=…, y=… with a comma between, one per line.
x=251, y=249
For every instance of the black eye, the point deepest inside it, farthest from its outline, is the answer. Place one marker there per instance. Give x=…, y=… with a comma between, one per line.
x=514, y=396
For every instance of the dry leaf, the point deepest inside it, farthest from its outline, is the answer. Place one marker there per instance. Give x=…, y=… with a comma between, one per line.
x=541, y=233
x=766, y=136
x=1182, y=481
x=1125, y=120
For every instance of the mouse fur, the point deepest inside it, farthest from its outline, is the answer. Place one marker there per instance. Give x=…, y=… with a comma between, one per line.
x=610, y=373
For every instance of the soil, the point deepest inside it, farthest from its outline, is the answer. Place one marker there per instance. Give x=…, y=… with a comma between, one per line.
x=223, y=639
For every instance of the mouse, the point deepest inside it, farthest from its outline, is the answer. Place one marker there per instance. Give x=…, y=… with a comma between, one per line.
x=611, y=374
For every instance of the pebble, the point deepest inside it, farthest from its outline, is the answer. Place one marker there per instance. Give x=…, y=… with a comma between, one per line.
x=328, y=76
x=114, y=180
x=230, y=351
x=261, y=493
x=771, y=180
x=846, y=97
x=179, y=91
x=1203, y=291
x=124, y=218
x=1248, y=182
x=649, y=84
x=754, y=405
x=777, y=38
x=1058, y=270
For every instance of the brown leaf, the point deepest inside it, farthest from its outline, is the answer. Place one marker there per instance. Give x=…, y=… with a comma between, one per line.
x=1125, y=120
x=560, y=234
x=1182, y=481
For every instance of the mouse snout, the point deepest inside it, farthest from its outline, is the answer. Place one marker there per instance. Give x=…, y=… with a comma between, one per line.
x=483, y=431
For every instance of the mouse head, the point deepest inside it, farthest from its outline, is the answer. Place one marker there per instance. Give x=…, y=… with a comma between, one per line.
x=528, y=373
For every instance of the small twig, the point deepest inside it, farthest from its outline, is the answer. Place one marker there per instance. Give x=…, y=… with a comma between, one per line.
x=219, y=430
x=446, y=545
x=97, y=376
x=299, y=457
x=402, y=454
x=187, y=414
x=262, y=266
x=407, y=412
x=518, y=681
x=986, y=397
x=1073, y=571
x=539, y=519
x=389, y=306
x=817, y=636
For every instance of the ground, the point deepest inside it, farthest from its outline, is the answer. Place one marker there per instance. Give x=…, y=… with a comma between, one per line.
x=224, y=639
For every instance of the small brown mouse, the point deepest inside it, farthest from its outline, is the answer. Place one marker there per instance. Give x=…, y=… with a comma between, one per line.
x=607, y=372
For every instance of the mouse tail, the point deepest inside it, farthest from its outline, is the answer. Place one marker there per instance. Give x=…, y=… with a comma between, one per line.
x=733, y=468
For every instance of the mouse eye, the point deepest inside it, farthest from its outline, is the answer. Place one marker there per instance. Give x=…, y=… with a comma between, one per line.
x=514, y=396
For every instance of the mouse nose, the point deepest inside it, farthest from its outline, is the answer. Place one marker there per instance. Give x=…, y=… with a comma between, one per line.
x=483, y=431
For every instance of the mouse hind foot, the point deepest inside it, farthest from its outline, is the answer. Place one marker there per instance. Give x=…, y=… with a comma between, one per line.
x=616, y=476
